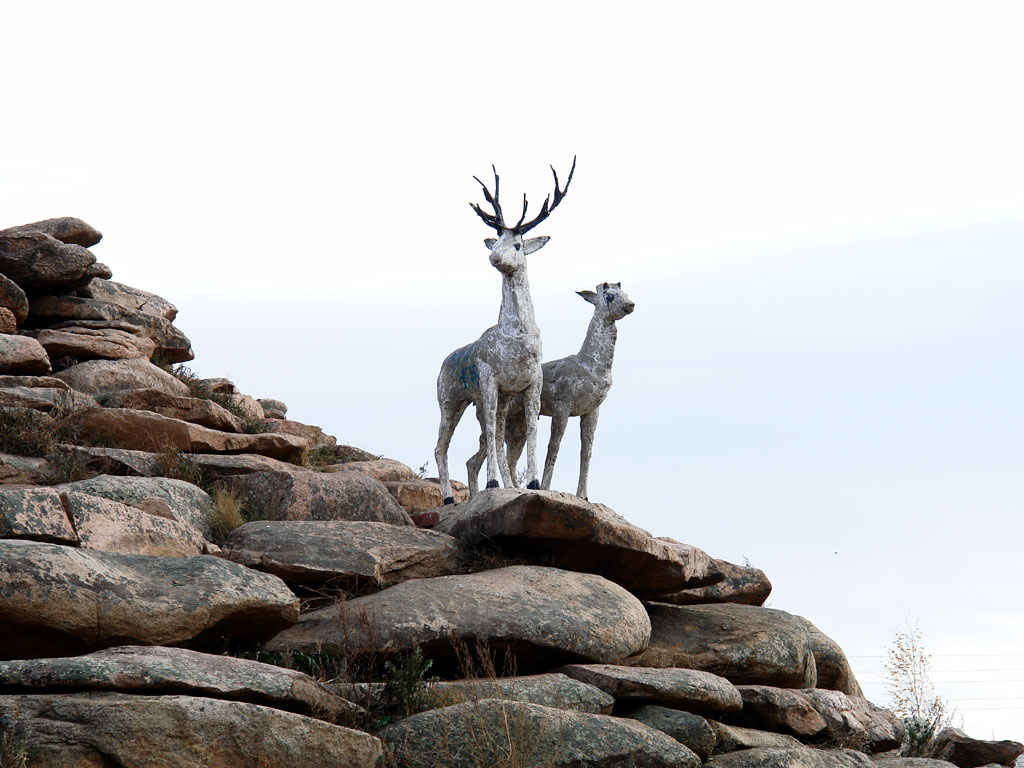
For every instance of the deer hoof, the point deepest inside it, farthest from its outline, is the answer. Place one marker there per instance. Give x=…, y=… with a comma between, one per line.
x=492, y=483
x=533, y=486
x=449, y=500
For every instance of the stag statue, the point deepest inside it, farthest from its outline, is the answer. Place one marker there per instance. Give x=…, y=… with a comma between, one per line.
x=505, y=360
x=573, y=386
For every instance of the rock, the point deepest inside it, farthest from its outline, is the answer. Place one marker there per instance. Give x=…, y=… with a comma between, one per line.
x=170, y=342
x=958, y=748
x=8, y=322
x=576, y=535
x=97, y=730
x=834, y=671
x=196, y=410
x=543, y=614
x=687, y=689
x=145, y=430
x=115, y=527
x=741, y=584
x=33, y=382
x=730, y=738
x=248, y=406
x=38, y=262
x=427, y=519
x=273, y=409
x=348, y=453
x=14, y=299
x=319, y=551
x=385, y=470
x=67, y=229
x=779, y=709
x=94, y=343
x=315, y=435
x=58, y=600
x=303, y=495
x=484, y=733
x=22, y=354
x=855, y=720
x=422, y=495
x=191, y=505
x=690, y=730
x=796, y=757
x=97, y=377
x=910, y=762
x=98, y=270
x=745, y=644
x=158, y=670
x=61, y=401
x=157, y=507
x=26, y=470
x=219, y=386
x=34, y=513
x=129, y=298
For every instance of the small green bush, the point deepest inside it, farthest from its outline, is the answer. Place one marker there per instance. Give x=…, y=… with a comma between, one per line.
x=406, y=688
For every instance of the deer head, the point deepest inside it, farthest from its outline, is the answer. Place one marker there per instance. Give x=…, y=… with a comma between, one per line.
x=509, y=250
x=609, y=300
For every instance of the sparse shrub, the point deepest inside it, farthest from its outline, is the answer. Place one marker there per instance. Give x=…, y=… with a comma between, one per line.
x=13, y=752
x=226, y=516
x=913, y=696
x=406, y=688
x=178, y=465
x=26, y=432
x=318, y=458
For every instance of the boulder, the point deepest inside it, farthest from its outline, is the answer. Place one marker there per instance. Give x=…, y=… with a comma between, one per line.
x=730, y=738
x=855, y=720
x=115, y=527
x=576, y=535
x=33, y=382
x=385, y=470
x=247, y=405
x=22, y=354
x=834, y=671
x=304, y=495
x=38, y=262
x=690, y=730
x=487, y=732
x=97, y=377
x=423, y=495
x=910, y=762
x=795, y=757
x=544, y=615
x=315, y=435
x=779, y=709
x=196, y=410
x=219, y=386
x=14, y=299
x=687, y=689
x=26, y=470
x=273, y=409
x=67, y=229
x=191, y=505
x=62, y=401
x=60, y=600
x=741, y=584
x=98, y=730
x=146, y=430
x=957, y=747
x=34, y=513
x=130, y=298
x=320, y=551
x=156, y=670
x=8, y=322
x=94, y=343
x=348, y=453
x=745, y=644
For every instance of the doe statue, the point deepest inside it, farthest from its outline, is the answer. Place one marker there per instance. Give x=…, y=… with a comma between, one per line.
x=505, y=360
x=573, y=386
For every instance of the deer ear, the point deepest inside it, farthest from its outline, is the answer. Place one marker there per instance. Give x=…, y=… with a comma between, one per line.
x=534, y=244
x=589, y=296
x=490, y=241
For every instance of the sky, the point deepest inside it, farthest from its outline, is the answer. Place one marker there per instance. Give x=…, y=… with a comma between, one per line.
x=817, y=209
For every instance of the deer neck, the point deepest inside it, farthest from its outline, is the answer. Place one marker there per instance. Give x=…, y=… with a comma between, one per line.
x=516, y=315
x=598, y=350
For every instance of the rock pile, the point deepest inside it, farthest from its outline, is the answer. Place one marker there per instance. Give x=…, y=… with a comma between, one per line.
x=183, y=569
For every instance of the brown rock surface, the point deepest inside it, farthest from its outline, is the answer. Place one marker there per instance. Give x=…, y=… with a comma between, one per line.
x=65, y=401
x=960, y=749
x=690, y=730
x=273, y=409
x=687, y=689
x=730, y=738
x=834, y=671
x=315, y=435
x=13, y=299
x=855, y=720
x=67, y=229
x=422, y=495
x=796, y=757
x=196, y=410
x=8, y=322
x=741, y=584
x=38, y=262
x=94, y=343
x=115, y=527
x=191, y=505
x=26, y=470
x=385, y=470
x=34, y=513
x=96, y=377
x=22, y=355
x=129, y=298
x=779, y=709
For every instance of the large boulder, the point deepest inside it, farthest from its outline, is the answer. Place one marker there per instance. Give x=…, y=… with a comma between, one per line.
x=97, y=377
x=23, y=355
x=196, y=410
x=34, y=513
x=779, y=709
x=544, y=615
x=60, y=600
x=130, y=298
x=320, y=551
x=687, y=689
x=190, y=504
x=157, y=670
x=115, y=527
x=98, y=730
x=960, y=749
x=742, y=584
x=14, y=299
x=273, y=409
x=690, y=730
x=305, y=495
x=576, y=535
x=743, y=643
x=856, y=721
x=911, y=762
x=794, y=757
x=145, y=430
x=492, y=731
x=94, y=343
x=730, y=738
x=38, y=262
x=67, y=229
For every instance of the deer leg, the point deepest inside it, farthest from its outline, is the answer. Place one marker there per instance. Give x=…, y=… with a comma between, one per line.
x=558, y=421
x=504, y=401
x=514, y=442
x=477, y=459
x=531, y=402
x=450, y=415
x=489, y=401
x=588, y=424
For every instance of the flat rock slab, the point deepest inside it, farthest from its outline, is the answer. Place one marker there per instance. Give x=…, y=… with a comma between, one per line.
x=23, y=355
x=26, y=470
x=745, y=644
x=742, y=584
x=115, y=527
x=576, y=535
x=422, y=495
x=196, y=410
x=385, y=470
x=730, y=738
x=96, y=377
x=687, y=689
x=159, y=670
x=544, y=614
x=34, y=513
x=911, y=762
x=189, y=503
x=690, y=730
x=67, y=229
x=47, y=400
x=57, y=600
x=795, y=757
x=125, y=296
x=319, y=551
x=303, y=495
x=481, y=733
x=957, y=747
x=94, y=343
x=98, y=730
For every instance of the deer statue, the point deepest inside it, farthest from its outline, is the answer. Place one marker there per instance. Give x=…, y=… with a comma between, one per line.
x=573, y=386
x=505, y=360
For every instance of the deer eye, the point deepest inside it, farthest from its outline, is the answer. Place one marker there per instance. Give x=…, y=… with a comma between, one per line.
x=609, y=298
x=519, y=246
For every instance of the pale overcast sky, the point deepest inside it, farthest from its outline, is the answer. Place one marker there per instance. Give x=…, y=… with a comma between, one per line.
x=817, y=207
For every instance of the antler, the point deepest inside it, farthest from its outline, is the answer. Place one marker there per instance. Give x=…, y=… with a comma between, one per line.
x=497, y=221
x=545, y=211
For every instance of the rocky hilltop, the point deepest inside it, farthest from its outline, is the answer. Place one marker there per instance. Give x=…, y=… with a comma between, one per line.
x=189, y=578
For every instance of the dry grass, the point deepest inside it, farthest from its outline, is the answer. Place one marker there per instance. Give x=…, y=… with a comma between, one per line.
x=226, y=516
x=13, y=752
x=26, y=432
x=178, y=465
